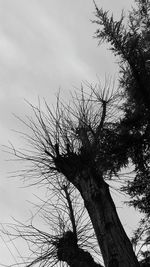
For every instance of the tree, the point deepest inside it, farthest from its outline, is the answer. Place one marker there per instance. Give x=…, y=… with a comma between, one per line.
x=95, y=137
x=131, y=43
x=68, y=240
x=80, y=143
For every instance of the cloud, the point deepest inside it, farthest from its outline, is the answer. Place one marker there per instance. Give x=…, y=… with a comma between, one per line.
x=9, y=52
x=44, y=45
x=36, y=50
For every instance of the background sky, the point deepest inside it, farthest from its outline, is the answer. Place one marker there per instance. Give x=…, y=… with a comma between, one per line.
x=45, y=45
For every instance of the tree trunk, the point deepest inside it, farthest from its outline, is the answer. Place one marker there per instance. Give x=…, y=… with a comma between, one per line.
x=115, y=246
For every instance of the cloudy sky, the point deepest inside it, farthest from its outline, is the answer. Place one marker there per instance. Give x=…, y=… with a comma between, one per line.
x=44, y=45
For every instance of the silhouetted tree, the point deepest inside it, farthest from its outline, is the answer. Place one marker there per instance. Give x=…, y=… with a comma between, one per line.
x=100, y=133
x=130, y=41
x=67, y=241
x=81, y=143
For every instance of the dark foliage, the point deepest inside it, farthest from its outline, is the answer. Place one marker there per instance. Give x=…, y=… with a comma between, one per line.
x=129, y=39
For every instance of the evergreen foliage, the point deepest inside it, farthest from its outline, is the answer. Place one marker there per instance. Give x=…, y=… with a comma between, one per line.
x=130, y=40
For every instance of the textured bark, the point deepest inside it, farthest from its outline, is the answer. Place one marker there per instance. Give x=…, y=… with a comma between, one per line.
x=69, y=251
x=115, y=246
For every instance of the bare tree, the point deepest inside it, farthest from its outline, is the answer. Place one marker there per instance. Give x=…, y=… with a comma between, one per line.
x=95, y=137
x=82, y=142
x=68, y=240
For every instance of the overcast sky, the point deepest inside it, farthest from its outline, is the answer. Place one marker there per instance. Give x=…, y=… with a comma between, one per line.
x=44, y=45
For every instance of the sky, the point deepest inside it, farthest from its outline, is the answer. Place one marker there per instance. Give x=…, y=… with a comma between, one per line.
x=44, y=45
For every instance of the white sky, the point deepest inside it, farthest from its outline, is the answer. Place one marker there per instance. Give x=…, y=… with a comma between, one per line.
x=44, y=45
